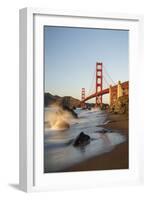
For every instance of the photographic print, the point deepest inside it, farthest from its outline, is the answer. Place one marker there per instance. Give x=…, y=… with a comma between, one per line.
x=86, y=99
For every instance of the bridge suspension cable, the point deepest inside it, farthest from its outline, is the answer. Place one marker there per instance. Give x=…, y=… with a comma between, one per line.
x=106, y=72
x=106, y=78
x=106, y=82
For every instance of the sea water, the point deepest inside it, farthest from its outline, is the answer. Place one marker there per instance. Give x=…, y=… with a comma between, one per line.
x=59, y=152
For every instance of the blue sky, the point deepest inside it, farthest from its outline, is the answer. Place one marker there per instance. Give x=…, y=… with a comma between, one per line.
x=71, y=55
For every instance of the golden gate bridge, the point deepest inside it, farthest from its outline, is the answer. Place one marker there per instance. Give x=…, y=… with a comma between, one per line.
x=115, y=90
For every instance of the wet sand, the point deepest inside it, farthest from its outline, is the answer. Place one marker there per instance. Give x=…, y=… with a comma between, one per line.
x=118, y=158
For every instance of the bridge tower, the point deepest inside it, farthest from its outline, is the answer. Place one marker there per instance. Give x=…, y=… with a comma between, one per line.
x=83, y=97
x=99, y=83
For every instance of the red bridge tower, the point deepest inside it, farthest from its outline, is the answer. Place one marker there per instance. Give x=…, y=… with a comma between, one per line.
x=99, y=83
x=83, y=97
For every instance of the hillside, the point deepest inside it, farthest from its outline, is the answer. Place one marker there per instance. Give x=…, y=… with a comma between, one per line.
x=64, y=101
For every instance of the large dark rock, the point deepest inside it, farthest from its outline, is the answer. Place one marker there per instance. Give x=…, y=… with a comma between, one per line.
x=71, y=111
x=82, y=140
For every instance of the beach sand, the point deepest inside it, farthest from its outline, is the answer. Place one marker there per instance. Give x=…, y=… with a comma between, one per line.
x=118, y=158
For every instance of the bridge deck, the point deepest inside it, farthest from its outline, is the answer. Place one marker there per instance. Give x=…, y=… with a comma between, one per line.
x=106, y=91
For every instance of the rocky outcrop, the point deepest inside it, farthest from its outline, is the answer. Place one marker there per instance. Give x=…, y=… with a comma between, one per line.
x=121, y=105
x=82, y=140
x=67, y=101
x=71, y=111
x=50, y=99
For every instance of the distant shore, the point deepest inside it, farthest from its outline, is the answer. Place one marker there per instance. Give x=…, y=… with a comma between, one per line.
x=118, y=158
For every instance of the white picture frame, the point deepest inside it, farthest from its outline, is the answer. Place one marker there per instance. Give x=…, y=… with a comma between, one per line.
x=31, y=175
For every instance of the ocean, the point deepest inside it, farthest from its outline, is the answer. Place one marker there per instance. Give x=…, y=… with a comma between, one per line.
x=59, y=151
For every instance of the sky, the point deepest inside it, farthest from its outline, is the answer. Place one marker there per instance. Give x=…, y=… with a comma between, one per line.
x=70, y=56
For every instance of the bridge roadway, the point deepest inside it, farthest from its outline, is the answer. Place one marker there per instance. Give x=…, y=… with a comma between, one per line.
x=106, y=91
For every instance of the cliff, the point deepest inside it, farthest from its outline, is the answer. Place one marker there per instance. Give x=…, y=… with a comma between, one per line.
x=68, y=101
x=121, y=105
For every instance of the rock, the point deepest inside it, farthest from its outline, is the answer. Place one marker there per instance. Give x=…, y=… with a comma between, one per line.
x=103, y=131
x=69, y=101
x=82, y=140
x=120, y=106
x=71, y=111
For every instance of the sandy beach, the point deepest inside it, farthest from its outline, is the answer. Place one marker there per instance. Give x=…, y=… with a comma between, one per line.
x=118, y=158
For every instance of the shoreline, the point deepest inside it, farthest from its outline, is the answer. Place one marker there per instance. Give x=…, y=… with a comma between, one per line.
x=118, y=158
